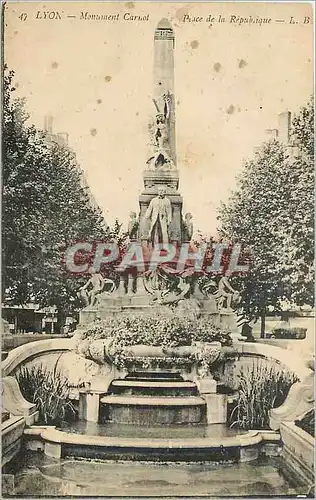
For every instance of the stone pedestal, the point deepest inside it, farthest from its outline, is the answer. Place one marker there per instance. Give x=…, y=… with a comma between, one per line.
x=216, y=408
x=140, y=288
x=237, y=337
x=131, y=285
x=206, y=385
x=216, y=404
x=249, y=453
x=87, y=315
x=89, y=404
x=52, y=449
x=228, y=320
x=120, y=291
x=152, y=180
x=209, y=305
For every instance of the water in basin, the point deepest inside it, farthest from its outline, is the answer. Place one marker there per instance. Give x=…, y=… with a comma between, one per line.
x=82, y=478
x=158, y=432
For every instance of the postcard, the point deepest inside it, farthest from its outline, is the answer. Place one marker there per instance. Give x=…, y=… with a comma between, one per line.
x=158, y=249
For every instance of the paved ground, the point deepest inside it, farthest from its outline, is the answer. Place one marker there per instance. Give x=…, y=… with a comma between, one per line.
x=47, y=477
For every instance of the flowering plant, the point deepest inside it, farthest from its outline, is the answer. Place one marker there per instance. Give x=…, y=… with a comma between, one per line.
x=158, y=330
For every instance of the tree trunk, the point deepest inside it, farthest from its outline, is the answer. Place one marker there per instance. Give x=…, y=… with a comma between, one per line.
x=263, y=322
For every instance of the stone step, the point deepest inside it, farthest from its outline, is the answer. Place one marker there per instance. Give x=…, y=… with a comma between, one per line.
x=153, y=387
x=152, y=401
x=148, y=410
x=153, y=383
x=156, y=379
x=156, y=375
x=218, y=447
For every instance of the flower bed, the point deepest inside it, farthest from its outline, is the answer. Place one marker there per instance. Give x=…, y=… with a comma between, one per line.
x=159, y=330
x=167, y=337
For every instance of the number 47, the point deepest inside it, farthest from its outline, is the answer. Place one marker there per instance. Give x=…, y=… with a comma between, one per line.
x=23, y=16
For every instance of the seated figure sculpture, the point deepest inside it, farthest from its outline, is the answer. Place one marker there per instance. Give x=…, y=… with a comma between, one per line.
x=174, y=297
x=90, y=292
x=225, y=294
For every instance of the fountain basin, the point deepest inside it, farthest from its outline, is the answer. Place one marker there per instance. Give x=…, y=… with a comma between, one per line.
x=91, y=478
x=110, y=351
x=237, y=448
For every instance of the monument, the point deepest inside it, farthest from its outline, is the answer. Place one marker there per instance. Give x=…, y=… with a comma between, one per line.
x=161, y=166
x=160, y=203
x=160, y=221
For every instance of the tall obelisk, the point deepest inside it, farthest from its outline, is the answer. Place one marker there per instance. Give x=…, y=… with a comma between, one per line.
x=161, y=163
x=163, y=84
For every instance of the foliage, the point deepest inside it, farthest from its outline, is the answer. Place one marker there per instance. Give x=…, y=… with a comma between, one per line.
x=303, y=129
x=271, y=215
x=289, y=333
x=307, y=423
x=262, y=386
x=158, y=330
x=46, y=207
x=167, y=332
x=49, y=391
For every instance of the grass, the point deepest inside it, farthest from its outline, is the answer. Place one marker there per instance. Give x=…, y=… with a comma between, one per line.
x=262, y=386
x=49, y=391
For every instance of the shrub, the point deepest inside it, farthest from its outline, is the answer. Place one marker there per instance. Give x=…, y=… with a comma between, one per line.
x=262, y=386
x=289, y=333
x=49, y=391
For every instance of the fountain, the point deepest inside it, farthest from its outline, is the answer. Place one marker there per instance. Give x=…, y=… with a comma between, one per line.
x=162, y=385
x=141, y=363
x=158, y=331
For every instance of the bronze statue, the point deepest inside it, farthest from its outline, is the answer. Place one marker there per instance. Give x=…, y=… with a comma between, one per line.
x=159, y=213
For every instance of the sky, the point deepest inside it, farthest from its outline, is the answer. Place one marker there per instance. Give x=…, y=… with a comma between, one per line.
x=95, y=78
